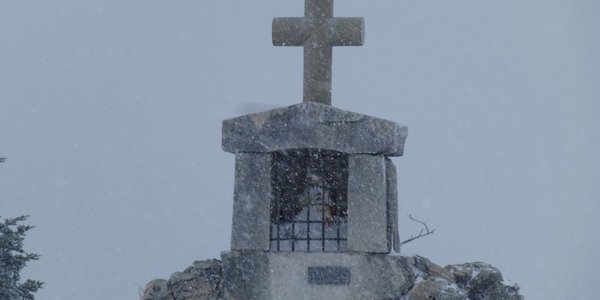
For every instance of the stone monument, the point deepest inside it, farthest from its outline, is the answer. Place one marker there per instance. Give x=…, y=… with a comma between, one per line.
x=315, y=200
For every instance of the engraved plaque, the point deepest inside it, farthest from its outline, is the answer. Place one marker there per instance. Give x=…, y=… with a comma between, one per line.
x=329, y=275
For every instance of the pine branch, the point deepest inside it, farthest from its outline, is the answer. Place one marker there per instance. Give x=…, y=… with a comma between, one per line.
x=13, y=258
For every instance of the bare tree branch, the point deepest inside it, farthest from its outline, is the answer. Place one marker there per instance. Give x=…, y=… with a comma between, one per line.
x=421, y=233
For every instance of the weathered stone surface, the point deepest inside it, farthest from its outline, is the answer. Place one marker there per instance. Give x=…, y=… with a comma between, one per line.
x=246, y=275
x=318, y=31
x=424, y=268
x=367, y=204
x=483, y=282
x=372, y=276
x=437, y=288
x=252, y=201
x=266, y=275
x=201, y=281
x=391, y=181
x=313, y=125
x=156, y=289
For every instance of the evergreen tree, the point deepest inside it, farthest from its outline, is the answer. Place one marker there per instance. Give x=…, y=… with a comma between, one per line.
x=12, y=259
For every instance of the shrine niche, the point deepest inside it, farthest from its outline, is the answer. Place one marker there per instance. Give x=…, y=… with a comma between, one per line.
x=309, y=210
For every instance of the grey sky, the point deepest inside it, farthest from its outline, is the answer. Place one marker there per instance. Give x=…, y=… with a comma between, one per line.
x=110, y=115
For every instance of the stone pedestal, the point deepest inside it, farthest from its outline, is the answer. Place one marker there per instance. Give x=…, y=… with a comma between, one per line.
x=271, y=275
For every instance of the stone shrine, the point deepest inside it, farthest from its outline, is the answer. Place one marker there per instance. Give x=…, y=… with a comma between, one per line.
x=315, y=199
x=315, y=204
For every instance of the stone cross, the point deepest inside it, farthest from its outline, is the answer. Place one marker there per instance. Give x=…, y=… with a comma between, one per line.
x=318, y=31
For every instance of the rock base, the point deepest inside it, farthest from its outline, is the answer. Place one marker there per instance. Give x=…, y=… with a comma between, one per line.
x=424, y=280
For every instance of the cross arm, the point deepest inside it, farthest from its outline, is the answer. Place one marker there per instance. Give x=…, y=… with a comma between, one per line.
x=339, y=31
x=290, y=31
x=346, y=31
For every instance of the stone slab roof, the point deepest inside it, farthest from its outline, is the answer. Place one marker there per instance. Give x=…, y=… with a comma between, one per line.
x=313, y=125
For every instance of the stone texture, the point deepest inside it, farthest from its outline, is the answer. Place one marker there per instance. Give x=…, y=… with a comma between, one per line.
x=155, y=290
x=373, y=276
x=252, y=201
x=201, y=281
x=246, y=274
x=437, y=288
x=313, y=125
x=263, y=275
x=367, y=205
x=318, y=31
x=391, y=181
x=483, y=281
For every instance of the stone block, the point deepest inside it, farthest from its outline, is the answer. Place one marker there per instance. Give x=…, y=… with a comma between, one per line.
x=252, y=202
x=313, y=125
x=246, y=275
x=367, y=204
x=271, y=275
x=392, y=196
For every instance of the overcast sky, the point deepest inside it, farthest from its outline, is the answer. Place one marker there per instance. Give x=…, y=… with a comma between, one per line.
x=110, y=117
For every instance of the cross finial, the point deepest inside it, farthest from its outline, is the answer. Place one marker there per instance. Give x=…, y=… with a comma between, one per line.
x=318, y=31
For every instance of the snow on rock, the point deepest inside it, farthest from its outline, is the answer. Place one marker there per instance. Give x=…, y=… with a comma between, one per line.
x=201, y=281
x=483, y=282
x=424, y=280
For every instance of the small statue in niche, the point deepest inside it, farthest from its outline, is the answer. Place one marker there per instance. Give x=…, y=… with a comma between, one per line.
x=318, y=224
x=316, y=204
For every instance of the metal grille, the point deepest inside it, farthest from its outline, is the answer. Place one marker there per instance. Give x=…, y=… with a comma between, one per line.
x=309, y=211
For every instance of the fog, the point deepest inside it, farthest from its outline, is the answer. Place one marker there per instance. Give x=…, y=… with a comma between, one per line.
x=110, y=119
